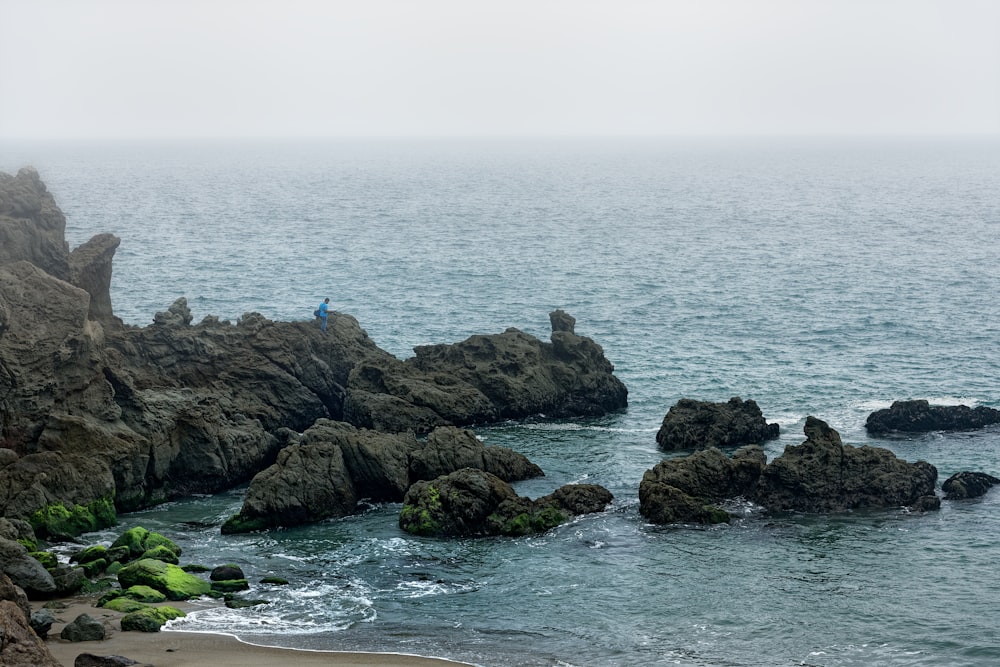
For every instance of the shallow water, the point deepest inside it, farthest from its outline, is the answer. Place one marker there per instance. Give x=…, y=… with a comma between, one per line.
x=815, y=278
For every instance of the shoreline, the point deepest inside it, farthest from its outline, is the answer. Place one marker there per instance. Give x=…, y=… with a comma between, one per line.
x=169, y=648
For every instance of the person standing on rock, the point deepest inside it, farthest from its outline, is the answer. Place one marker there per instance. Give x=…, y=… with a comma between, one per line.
x=324, y=311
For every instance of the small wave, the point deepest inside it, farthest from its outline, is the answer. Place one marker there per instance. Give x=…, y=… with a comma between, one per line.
x=586, y=427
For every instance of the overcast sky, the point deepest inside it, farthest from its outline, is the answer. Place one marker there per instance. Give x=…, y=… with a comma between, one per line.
x=106, y=68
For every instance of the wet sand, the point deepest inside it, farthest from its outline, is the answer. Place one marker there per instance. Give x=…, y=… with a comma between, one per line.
x=192, y=649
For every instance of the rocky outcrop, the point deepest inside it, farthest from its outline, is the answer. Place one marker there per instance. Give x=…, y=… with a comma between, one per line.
x=32, y=228
x=334, y=465
x=24, y=571
x=824, y=475
x=472, y=502
x=688, y=489
x=922, y=417
x=93, y=412
x=691, y=424
x=485, y=378
x=968, y=485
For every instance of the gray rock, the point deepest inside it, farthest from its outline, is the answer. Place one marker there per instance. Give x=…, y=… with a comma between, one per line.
x=83, y=629
x=23, y=570
x=691, y=424
x=41, y=622
x=968, y=485
x=91, y=660
x=824, y=475
x=226, y=573
x=688, y=489
x=922, y=417
x=448, y=449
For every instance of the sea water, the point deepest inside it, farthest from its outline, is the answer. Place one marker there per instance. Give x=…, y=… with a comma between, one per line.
x=817, y=277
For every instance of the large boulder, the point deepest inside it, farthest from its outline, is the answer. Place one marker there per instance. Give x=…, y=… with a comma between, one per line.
x=824, y=475
x=377, y=464
x=19, y=645
x=308, y=483
x=689, y=489
x=83, y=628
x=471, y=502
x=691, y=424
x=968, y=485
x=25, y=571
x=922, y=417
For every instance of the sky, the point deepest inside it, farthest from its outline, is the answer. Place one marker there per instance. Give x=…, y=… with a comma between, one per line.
x=444, y=68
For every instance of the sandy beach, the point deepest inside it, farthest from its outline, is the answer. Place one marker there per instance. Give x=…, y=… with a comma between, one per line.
x=190, y=649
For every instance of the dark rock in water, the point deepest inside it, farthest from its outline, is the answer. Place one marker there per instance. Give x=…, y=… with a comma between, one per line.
x=226, y=573
x=922, y=417
x=691, y=424
x=685, y=490
x=456, y=504
x=926, y=504
x=471, y=502
x=83, y=629
x=19, y=645
x=968, y=485
x=824, y=475
x=449, y=449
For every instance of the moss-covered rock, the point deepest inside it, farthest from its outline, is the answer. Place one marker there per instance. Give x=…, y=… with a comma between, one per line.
x=238, y=523
x=161, y=552
x=149, y=619
x=230, y=585
x=59, y=520
x=195, y=567
x=144, y=594
x=95, y=567
x=276, y=581
x=46, y=558
x=139, y=540
x=124, y=605
x=167, y=578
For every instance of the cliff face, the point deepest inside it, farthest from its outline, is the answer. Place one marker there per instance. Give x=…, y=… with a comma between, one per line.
x=93, y=412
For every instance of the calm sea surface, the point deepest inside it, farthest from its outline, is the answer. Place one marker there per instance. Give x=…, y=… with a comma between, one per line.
x=823, y=278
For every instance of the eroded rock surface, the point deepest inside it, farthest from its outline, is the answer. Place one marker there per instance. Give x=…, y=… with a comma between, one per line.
x=922, y=417
x=691, y=424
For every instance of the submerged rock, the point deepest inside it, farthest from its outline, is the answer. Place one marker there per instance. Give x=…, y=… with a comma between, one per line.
x=691, y=424
x=922, y=417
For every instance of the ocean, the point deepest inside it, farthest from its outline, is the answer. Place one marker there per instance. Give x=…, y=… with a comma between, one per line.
x=824, y=277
